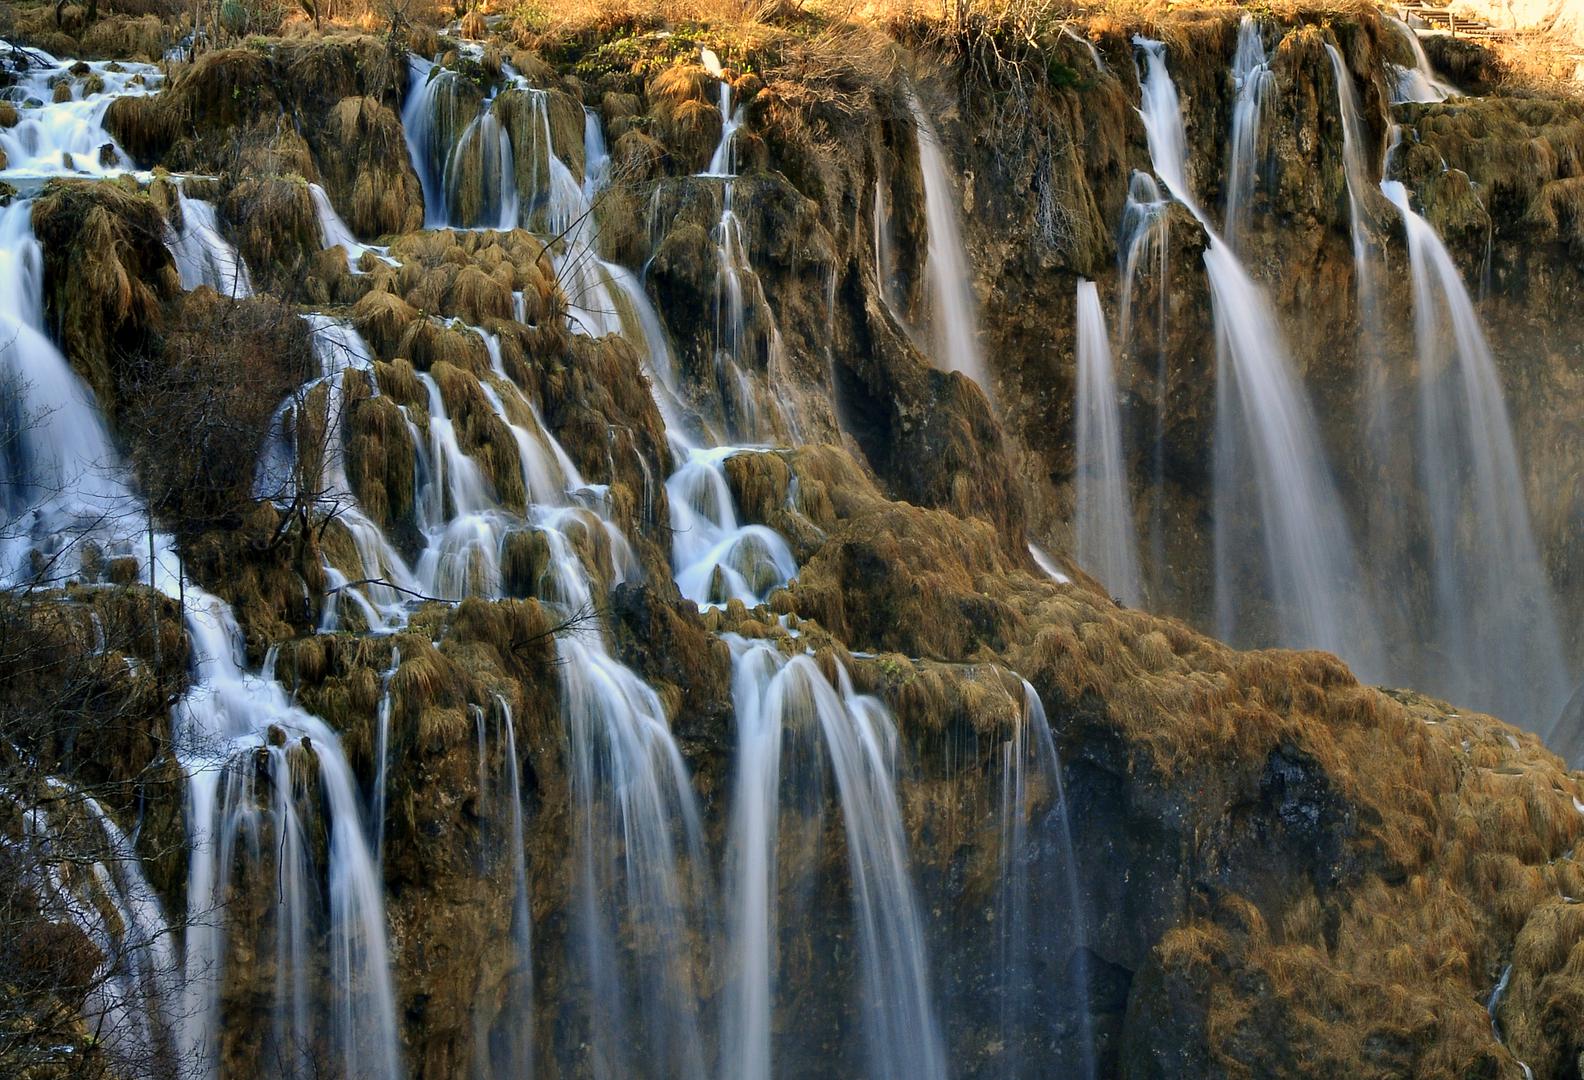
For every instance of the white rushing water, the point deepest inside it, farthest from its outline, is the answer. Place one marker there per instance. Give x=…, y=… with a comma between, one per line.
x=315, y=475
x=1144, y=247
x=723, y=162
x=508, y=1051
x=779, y=701
x=333, y=232
x=65, y=484
x=461, y=151
x=203, y=255
x=1273, y=487
x=715, y=557
x=66, y=136
x=1495, y=626
x=954, y=318
x=241, y=813
x=1106, y=542
x=73, y=489
x=628, y=779
x=134, y=990
x=1419, y=83
x=1254, y=83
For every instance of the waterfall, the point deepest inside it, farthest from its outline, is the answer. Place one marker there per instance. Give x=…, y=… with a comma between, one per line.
x=461, y=151
x=202, y=255
x=1360, y=187
x=68, y=138
x=522, y=1057
x=1494, y=627
x=1420, y=82
x=72, y=489
x=1254, y=83
x=382, y=722
x=63, y=477
x=136, y=985
x=1048, y=565
x=953, y=311
x=1266, y=435
x=636, y=828
x=1106, y=543
x=635, y=821
x=228, y=719
x=1041, y=911
x=1144, y=240
x=736, y=295
x=511, y=1055
x=747, y=339
x=1089, y=46
x=715, y=558
x=316, y=474
x=786, y=706
x=723, y=162
x=333, y=232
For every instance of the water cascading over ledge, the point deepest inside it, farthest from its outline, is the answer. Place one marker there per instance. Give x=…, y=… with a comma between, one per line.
x=230, y=729
x=501, y=446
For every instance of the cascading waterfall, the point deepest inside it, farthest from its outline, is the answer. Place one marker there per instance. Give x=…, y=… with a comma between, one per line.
x=1265, y=435
x=1145, y=234
x=723, y=162
x=1106, y=544
x=1254, y=83
x=635, y=823
x=716, y=558
x=203, y=255
x=275, y=776
x=742, y=321
x=333, y=232
x=289, y=472
x=1420, y=82
x=64, y=483
x=68, y=138
x=74, y=490
x=1495, y=624
x=235, y=814
x=954, y=319
x=382, y=724
x=787, y=710
x=628, y=778
x=461, y=151
x=747, y=339
x=511, y=1054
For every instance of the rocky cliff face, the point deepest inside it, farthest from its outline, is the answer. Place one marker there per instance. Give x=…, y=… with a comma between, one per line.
x=1244, y=862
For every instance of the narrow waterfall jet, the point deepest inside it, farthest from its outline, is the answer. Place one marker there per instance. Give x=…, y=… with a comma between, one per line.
x=1107, y=544
x=954, y=319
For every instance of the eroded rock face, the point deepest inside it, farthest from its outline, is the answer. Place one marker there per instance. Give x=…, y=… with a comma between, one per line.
x=1279, y=870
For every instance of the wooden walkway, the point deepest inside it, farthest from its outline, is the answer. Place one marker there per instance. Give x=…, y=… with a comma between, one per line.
x=1439, y=18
